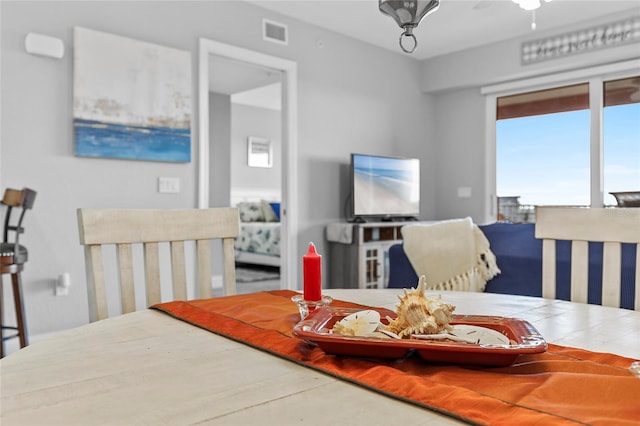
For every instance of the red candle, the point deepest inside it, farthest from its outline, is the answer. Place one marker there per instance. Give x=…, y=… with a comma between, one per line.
x=312, y=267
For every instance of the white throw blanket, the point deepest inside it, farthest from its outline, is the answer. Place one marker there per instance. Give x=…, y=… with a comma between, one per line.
x=340, y=232
x=453, y=254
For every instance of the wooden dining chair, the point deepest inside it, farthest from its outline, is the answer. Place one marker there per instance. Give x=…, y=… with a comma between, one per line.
x=610, y=226
x=13, y=256
x=150, y=228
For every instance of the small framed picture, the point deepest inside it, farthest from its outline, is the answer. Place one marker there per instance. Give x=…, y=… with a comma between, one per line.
x=259, y=152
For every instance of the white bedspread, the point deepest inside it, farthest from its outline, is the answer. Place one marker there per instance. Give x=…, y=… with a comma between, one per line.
x=259, y=238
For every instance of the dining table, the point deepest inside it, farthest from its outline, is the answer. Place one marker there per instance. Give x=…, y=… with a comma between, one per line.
x=153, y=367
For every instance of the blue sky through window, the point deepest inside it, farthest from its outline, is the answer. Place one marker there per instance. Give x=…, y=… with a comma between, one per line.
x=621, y=149
x=544, y=159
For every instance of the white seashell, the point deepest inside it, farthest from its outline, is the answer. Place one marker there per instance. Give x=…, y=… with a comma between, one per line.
x=360, y=323
x=439, y=336
x=478, y=335
x=388, y=333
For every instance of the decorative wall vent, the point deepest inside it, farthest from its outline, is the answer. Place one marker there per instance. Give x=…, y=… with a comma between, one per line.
x=274, y=31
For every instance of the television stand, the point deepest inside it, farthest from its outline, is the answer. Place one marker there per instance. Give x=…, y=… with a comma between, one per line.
x=362, y=261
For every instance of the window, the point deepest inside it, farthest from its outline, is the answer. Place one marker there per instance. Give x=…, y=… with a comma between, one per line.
x=621, y=137
x=549, y=153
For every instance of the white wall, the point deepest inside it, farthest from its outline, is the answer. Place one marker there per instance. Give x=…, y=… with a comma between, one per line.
x=460, y=152
x=353, y=97
x=220, y=158
x=249, y=121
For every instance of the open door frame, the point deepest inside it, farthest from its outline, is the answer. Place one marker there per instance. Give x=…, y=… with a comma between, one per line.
x=289, y=209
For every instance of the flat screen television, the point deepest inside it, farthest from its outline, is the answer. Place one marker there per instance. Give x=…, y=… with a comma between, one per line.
x=384, y=188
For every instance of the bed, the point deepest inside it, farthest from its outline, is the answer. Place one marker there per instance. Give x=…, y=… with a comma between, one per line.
x=259, y=240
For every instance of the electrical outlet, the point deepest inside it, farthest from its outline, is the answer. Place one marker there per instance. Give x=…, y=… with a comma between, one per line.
x=169, y=185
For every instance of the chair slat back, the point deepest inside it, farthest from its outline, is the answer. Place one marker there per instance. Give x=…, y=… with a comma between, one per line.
x=610, y=226
x=125, y=228
x=16, y=199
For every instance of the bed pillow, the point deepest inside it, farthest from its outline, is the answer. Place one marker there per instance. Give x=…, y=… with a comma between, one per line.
x=276, y=209
x=269, y=213
x=251, y=211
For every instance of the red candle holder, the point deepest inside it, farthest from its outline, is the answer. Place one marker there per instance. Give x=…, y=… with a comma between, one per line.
x=307, y=306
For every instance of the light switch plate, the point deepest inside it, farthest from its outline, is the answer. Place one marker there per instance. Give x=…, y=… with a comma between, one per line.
x=169, y=185
x=63, y=284
x=464, y=192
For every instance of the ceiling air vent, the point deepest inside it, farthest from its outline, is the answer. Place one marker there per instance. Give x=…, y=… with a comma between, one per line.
x=274, y=31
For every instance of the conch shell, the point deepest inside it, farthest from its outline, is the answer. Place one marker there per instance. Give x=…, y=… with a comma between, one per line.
x=418, y=314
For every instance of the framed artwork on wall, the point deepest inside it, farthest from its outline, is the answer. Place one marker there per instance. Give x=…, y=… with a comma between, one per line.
x=131, y=99
x=260, y=152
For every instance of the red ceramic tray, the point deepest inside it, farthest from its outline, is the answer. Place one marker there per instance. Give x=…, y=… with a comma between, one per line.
x=524, y=338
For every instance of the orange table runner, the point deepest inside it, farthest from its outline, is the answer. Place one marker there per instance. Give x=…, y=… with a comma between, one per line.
x=561, y=386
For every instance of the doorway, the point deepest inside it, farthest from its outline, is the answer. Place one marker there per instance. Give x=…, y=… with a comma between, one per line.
x=287, y=72
x=245, y=120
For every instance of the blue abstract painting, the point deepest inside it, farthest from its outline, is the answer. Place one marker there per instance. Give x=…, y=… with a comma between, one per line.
x=132, y=99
